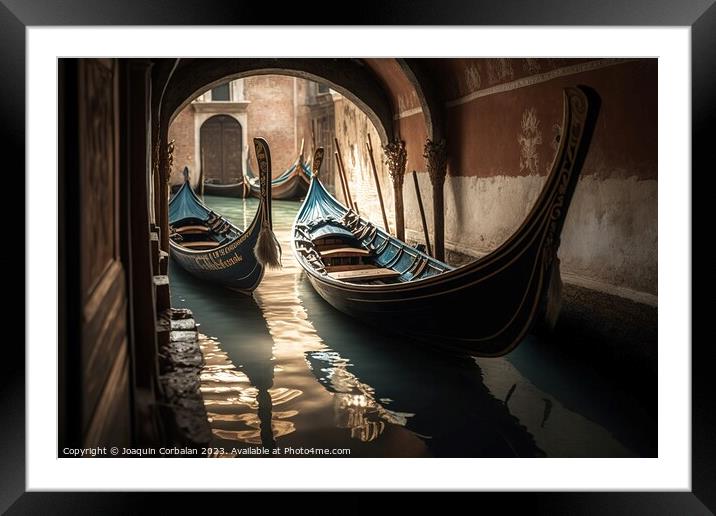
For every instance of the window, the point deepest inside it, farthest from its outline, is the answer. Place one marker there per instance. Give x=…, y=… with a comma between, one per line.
x=322, y=88
x=221, y=93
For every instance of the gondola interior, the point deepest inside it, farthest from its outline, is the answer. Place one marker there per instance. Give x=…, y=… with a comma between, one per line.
x=203, y=234
x=352, y=250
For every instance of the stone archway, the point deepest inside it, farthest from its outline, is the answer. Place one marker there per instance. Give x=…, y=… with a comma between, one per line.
x=192, y=77
x=184, y=79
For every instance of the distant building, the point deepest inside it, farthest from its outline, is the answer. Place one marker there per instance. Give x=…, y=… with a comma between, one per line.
x=213, y=135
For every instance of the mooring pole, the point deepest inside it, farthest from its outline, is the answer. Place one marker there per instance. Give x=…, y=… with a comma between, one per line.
x=200, y=186
x=342, y=179
x=436, y=159
x=397, y=157
x=369, y=146
x=345, y=175
x=422, y=213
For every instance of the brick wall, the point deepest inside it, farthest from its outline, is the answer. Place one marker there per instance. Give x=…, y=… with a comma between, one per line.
x=271, y=115
x=182, y=132
x=278, y=111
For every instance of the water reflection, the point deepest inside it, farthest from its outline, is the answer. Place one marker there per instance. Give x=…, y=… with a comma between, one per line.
x=354, y=403
x=439, y=396
x=238, y=377
x=297, y=343
x=285, y=369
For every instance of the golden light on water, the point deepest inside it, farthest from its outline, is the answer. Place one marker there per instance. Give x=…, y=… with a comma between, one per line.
x=236, y=412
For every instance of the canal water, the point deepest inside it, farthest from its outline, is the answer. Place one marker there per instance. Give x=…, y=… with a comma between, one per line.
x=285, y=371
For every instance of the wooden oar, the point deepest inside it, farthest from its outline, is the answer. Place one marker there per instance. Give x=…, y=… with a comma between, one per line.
x=422, y=213
x=345, y=176
x=201, y=175
x=342, y=179
x=369, y=145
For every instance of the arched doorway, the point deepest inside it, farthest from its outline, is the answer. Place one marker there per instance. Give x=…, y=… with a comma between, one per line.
x=221, y=150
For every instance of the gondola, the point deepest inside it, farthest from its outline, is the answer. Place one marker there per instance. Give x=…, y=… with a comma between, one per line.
x=210, y=247
x=485, y=307
x=292, y=184
x=239, y=189
x=236, y=190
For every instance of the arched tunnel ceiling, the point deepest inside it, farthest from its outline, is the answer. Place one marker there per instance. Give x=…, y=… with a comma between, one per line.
x=404, y=97
x=382, y=88
x=347, y=76
x=392, y=76
x=412, y=91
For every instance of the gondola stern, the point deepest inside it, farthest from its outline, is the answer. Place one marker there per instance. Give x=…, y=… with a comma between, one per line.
x=267, y=249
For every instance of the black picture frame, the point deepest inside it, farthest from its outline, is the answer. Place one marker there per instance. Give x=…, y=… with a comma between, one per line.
x=700, y=15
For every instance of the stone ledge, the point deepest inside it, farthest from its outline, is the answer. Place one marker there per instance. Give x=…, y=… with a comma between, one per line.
x=180, y=365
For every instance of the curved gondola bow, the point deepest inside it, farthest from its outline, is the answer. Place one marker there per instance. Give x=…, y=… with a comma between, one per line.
x=485, y=307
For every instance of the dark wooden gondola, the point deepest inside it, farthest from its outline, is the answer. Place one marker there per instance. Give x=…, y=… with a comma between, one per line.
x=484, y=308
x=210, y=247
x=239, y=189
x=291, y=184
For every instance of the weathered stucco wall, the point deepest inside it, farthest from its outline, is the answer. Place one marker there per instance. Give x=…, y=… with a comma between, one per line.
x=502, y=120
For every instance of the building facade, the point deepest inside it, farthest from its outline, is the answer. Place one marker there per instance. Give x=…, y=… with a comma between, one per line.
x=213, y=135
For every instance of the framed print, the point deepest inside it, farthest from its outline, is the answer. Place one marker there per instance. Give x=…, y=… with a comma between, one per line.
x=426, y=254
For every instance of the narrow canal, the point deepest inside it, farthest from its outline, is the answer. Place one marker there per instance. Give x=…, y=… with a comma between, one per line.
x=286, y=371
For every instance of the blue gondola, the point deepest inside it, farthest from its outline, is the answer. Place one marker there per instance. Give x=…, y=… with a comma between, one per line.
x=210, y=247
x=485, y=307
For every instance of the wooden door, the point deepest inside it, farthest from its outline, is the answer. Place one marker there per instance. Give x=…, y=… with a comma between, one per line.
x=221, y=149
x=94, y=359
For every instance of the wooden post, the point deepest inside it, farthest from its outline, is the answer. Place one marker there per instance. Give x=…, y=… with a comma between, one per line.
x=137, y=162
x=342, y=180
x=436, y=158
x=345, y=176
x=369, y=145
x=397, y=158
x=162, y=191
x=422, y=213
x=201, y=174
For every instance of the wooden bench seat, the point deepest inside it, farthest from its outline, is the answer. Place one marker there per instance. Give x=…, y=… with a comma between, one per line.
x=206, y=244
x=365, y=274
x=192, y=229
x=344, y=252
x=342, y=268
